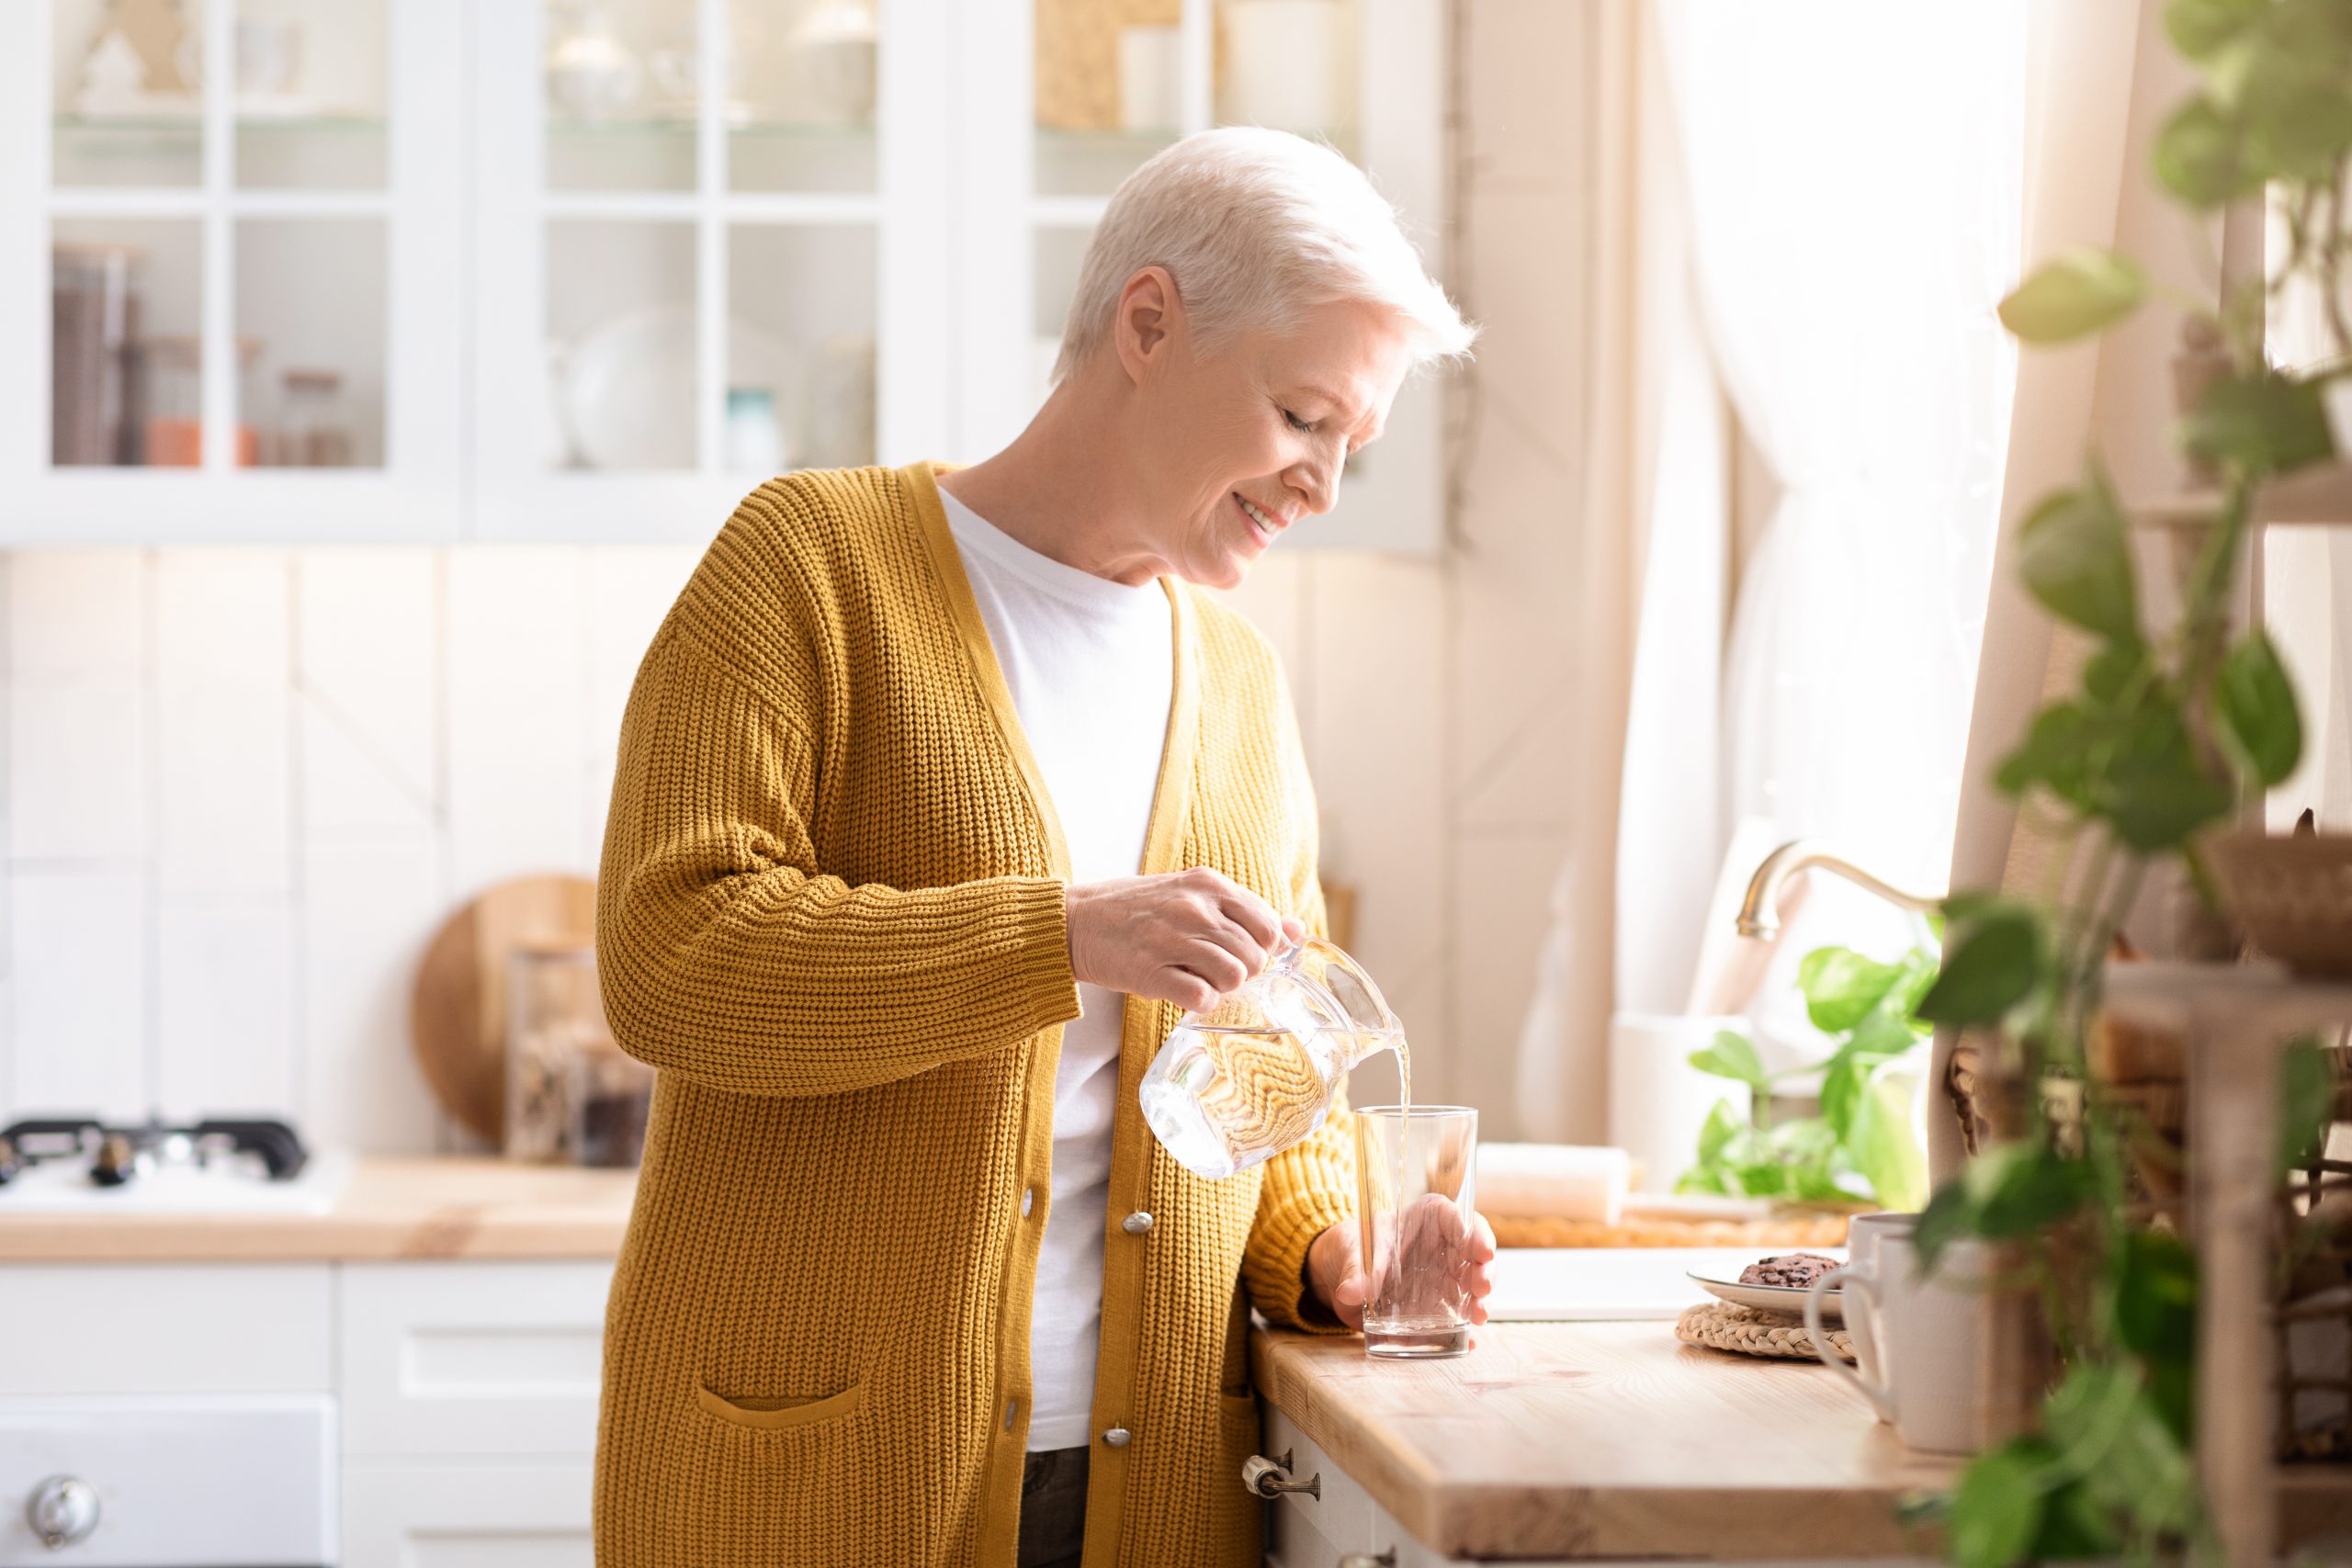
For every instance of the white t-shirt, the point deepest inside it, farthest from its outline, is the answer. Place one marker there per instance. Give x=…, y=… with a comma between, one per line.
x=1091, y=665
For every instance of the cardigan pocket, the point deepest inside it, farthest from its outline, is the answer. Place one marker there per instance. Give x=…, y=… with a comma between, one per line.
x=769, y=1413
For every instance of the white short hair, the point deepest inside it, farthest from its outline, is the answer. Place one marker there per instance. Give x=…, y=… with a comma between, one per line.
x=1258, y=226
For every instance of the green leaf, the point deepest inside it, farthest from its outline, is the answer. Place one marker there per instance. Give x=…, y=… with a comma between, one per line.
x=2111, y=1436
x=2108, y=674
x=2074, y=293
x=2266, y=424
x=2254, y=710
x=2306, y=1102
x=2289, y=94
x=1991, y=969
x=1703, y=1178
x=2075, y=557
x=2201, y=156
x=2198, y=28
x=2155, y=789
x=1889, y=1031
x=2055, y=753
x=2020, y=1190
x=2155, y=1297
x=1886, y=1147
x=1996, y=1512
x=1841, y=1090
x=1842, y=986
x=1731, y=1057
x=1721, y=1125
x=2074, y=1525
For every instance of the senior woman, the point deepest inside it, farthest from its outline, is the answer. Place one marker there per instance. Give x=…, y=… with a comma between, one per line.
x=940, y=793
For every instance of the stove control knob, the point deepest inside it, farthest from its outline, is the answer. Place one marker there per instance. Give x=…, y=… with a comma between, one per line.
x=116, y=1163
x=64, y=1509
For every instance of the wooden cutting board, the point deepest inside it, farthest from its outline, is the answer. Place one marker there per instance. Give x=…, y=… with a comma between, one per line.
x=457, y=1013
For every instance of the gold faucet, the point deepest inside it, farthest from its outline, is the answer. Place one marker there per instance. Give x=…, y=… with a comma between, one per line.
x=1759, y=910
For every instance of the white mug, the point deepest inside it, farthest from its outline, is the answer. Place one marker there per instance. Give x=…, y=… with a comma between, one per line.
x=1924, y=1337
x=1862, y=1233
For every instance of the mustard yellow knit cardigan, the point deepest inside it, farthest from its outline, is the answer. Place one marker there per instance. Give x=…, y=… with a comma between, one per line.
x=831, y=913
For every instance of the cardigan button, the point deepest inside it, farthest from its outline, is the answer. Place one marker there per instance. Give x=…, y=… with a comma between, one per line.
x=1117, y=1436
x=1136, y=1223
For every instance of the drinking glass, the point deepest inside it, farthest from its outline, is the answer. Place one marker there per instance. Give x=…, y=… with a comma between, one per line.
x=1416, y=1208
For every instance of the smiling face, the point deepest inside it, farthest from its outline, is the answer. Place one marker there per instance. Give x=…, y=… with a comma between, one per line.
x=1237, y=447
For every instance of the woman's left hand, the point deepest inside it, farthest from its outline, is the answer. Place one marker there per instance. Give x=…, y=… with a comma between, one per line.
x=1335, y=1264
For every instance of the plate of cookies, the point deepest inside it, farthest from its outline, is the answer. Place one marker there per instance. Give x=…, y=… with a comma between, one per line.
x=1778, y=1283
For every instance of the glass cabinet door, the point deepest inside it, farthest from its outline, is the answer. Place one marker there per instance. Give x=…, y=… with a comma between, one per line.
x=682, y=232
x=208, y=187
x=1111, y=82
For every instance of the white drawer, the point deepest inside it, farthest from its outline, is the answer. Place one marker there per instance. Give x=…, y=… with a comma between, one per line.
x=399, y=1515
x=166, y=1328
x=1340, y=1517
x=191, y=1478
x=455, y=1359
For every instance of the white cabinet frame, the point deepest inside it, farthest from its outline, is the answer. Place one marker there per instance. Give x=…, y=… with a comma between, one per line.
x=420, y=492
x=954, y=215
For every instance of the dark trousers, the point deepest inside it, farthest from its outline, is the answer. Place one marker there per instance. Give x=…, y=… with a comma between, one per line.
x=1053, y=1508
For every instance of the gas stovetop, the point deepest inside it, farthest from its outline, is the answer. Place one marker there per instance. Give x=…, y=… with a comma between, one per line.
x=79, y=1163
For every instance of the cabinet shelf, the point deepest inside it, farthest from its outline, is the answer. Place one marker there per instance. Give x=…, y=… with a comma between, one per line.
x=677, y=128
x=191, y=125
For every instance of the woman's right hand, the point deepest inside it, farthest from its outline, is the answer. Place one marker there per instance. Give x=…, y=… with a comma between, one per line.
x=1185, y=937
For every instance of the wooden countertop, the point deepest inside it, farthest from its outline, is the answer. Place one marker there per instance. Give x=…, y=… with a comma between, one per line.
x=1603, y=1439
x=433, y=1206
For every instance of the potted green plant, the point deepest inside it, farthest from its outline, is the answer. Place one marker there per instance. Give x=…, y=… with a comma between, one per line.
x=1860, y=1147
x=2141, y=765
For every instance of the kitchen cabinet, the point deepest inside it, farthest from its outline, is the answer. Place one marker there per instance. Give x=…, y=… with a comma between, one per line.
x=458, y=1359
x=447, y=1404
x=527, y=1515
x=208, y=294
x=559, y=270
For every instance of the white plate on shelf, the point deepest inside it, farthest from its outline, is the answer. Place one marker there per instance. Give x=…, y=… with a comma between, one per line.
x=625, y=390
x=1786, y=1300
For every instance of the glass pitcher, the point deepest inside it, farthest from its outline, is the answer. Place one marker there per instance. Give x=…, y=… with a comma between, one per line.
x=1236, y=1086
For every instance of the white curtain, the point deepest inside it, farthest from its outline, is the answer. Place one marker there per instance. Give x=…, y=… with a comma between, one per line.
x=1852, y=176
x=1855, y=172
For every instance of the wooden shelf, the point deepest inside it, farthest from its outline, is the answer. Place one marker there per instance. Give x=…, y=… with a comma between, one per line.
x=2261, y=1004
x=2314, y=498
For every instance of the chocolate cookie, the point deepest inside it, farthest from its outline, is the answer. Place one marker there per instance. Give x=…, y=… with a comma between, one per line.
x=1796, y=1269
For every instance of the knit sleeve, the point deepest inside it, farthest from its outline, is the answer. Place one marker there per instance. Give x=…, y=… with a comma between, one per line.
x=1310, y=1186
x=728, y=955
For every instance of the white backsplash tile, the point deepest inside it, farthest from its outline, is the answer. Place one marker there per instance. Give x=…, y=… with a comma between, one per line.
x=222, y=614
x=370, y=902
x=80, y=785
x=367, y=663
x=80, y=1016
x=518, y=702
x=225, y=1007
x=348, y=780
x=222, y=785
x=77, y=613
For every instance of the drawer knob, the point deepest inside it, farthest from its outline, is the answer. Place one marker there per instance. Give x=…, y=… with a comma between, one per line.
x=1370, y=1559
x=62, y=1510
x=1271, y=1478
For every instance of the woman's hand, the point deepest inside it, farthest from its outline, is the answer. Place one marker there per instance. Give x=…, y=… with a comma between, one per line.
x=1185, y=937
x=1447, y=1260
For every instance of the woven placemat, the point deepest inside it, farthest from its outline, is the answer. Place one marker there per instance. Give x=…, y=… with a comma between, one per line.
x=1719, y=1325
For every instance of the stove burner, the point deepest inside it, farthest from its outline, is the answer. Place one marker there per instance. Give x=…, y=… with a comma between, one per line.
x=117, y=1155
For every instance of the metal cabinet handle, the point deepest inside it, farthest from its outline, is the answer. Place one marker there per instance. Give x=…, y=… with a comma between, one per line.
x=1370, y=1559
x=62, y=1510
x=1271, y=1478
